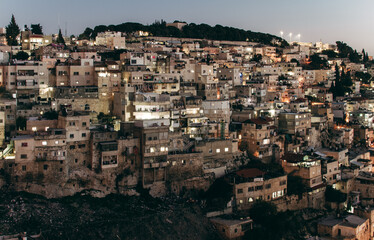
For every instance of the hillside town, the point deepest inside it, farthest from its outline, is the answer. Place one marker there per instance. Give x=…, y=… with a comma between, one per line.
x=288, y=124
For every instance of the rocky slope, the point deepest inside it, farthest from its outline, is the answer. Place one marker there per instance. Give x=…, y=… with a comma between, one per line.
x=112, y=217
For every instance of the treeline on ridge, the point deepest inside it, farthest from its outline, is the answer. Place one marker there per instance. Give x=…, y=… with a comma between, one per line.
x=192, y=30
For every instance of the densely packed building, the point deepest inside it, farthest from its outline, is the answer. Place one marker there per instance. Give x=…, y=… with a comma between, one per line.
x=172, y=115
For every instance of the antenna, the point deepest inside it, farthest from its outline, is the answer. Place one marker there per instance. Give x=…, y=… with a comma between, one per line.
x=66, y=29
x=58, y=20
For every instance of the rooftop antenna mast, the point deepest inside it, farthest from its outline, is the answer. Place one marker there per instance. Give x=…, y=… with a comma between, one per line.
x=58, y=21
x=66, y=29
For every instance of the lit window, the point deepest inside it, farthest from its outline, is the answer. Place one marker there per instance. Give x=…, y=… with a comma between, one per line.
x=44, y=143
x=226, y=149
x=152, y=149
x=56, y=142
x=162, y=149
x=218, y=150
x=34, y=129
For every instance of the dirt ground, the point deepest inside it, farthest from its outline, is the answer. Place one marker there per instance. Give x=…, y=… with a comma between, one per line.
x=112, y=217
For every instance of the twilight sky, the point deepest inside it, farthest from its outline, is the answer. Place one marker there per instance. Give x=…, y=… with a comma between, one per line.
x=327, y=20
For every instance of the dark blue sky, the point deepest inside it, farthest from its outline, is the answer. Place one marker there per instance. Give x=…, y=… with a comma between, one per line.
x=327, y=20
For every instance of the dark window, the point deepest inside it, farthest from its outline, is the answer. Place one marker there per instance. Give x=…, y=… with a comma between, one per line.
x=83, y=134
x=72, y=147
x=45, y=167
x=251, y=189
x=76, y=73
x=23, y=156
x=71, y=135
x=23, y=168
x=267, y=186
x=240, y=190
x=24, y=144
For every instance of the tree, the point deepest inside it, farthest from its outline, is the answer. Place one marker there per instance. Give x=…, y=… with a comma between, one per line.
x=317, y=62
x=346, y=79
x=12, y=32
x=333, y=195
x=243, y=146
x=219, y=194
x=330, y=53
x=295, y=185
x=87, y=34
x=354, y=57
x=257, y=58
x=343, y=49
x=60, y=38
x=263, y=212
x=21, y=55
x=293, y=60
x=37, y=29
x=337, y=88
x=364, y=77
x=365, y=57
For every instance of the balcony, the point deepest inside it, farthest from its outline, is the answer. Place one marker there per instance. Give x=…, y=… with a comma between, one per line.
x=26, y=84
x=26, y=73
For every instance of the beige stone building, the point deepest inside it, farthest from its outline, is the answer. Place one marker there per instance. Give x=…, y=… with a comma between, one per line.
x=349, y=228
x=259, y=134
x=304, y=166
x=154, y=147
x=232, y=228
x=252, y=184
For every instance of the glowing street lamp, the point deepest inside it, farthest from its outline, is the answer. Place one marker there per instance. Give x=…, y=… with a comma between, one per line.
x=290, y=37
x=281, y=32
x=299, y=37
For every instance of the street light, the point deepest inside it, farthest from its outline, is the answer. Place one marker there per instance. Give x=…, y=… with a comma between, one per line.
x=299, y=37
x=281, y=32
x=290, y=37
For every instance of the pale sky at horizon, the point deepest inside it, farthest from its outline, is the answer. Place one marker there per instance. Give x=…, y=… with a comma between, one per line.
x=326, y=20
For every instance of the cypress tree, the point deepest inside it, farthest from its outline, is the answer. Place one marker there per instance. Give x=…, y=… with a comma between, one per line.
x=12, y=31
x=60, y=38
